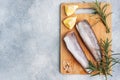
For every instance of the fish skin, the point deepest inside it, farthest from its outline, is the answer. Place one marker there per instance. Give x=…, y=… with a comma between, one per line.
x=76, y=50
x=89, y=38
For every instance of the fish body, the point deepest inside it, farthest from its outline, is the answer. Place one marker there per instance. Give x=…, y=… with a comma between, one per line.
x=76, y=50
x=89, y=38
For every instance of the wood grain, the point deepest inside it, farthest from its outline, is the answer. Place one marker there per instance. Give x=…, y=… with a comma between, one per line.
x=99, y=30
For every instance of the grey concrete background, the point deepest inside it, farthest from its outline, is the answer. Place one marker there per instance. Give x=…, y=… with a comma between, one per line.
x=29, y=40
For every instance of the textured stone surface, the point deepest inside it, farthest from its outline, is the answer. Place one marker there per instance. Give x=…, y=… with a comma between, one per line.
x=29, y=40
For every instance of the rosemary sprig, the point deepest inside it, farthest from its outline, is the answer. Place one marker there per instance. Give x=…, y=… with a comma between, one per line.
x=101, y=11
x=107, y=62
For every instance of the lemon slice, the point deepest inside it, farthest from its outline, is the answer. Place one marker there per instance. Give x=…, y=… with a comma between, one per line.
x=70, y=22
x=70, y=9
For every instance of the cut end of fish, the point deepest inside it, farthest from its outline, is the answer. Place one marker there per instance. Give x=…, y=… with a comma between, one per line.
x=89, y=38
x=88, y=71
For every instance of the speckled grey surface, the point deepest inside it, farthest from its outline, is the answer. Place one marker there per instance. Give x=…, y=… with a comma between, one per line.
x=29, y=40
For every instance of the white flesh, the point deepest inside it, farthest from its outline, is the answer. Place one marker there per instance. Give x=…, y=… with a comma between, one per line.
x=75, y=49
x=89, y=39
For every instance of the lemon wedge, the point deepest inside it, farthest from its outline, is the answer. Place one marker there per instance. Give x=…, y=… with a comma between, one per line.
x=70, y=9
x=70, y=22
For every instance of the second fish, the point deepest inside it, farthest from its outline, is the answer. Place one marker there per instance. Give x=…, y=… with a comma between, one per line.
x=89, y=38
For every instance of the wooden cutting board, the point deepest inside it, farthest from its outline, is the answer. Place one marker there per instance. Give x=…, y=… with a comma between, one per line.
x=65, y=56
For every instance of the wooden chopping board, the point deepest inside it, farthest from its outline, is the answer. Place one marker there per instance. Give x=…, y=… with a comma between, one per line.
x=65, y=56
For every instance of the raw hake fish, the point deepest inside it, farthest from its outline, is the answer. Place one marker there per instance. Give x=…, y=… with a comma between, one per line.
x=89, y=39
x=75, y=49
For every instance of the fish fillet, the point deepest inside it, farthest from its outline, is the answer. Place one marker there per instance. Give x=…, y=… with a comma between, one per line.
x=89, y=38
x=75, y=49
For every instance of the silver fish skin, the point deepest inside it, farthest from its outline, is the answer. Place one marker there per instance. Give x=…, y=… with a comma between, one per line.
x=75, y=49
x=89, y=38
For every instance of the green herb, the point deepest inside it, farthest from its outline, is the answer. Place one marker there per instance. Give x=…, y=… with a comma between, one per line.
x=101, y=11
x=108, y=61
